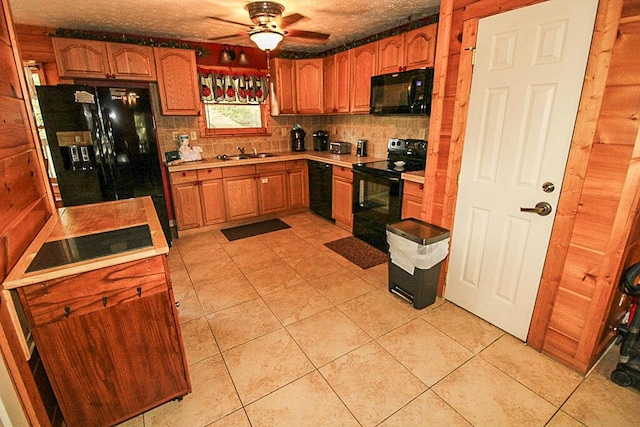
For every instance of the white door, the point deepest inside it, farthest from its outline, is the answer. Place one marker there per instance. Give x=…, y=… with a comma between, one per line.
x=525, y=90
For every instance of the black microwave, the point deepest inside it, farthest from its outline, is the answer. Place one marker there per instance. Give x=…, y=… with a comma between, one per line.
x=408, y=92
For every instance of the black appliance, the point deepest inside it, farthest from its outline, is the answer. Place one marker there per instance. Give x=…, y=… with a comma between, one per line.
x=320, y=140
x=320, y=188
x=408, y=92
x=377, y=189
x=627, y=372
x=103, y=145
x=361, y=148
x=297, y=139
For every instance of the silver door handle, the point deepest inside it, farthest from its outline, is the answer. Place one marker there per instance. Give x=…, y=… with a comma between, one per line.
x=542, y=209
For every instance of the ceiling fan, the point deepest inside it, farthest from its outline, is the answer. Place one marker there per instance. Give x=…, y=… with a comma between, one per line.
x=269, y=25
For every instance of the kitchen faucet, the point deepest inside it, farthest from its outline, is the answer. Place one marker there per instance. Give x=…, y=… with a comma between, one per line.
x=255, y=151
x=240, y=149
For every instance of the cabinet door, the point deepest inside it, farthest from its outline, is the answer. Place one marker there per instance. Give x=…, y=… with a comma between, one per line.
x=241, y=197
x=420, y=47
x=342, y=190
x=363, y=66
x=81, y=58
x=272, y=192
x=412, y=200
x=212, y=200
x=309, y=87
x=298, y=189
x=285, y=85
x=330, y=84
x=186, y=203
x=391, y=54
x=343, y=78
x=177, y=81
x=131, y=62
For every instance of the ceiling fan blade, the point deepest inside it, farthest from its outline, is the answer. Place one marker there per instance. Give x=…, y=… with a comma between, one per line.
x=228, y=36
x=312, y=35
x=229, y=22
x=285, y=21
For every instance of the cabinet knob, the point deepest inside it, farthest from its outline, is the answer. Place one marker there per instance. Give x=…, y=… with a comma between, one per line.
x=67, y=310
x=184, y=174
x=421, y=186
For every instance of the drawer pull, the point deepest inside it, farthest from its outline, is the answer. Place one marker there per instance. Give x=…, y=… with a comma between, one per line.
x=67, y=310
x=139, y=291
x=104, y=301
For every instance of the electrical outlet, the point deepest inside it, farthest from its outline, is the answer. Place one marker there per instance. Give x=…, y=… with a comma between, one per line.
x=175, y=136
x=284, y=131
x=422, y=134
x=193, y=135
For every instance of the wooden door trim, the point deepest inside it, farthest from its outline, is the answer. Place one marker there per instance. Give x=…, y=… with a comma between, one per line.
x=463, y=92
x=604, y=36
x=443, y=42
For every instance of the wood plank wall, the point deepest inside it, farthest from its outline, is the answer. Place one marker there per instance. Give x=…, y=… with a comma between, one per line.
x=25, y=205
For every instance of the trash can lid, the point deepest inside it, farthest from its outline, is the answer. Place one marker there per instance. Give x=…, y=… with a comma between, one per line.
x=418, y=231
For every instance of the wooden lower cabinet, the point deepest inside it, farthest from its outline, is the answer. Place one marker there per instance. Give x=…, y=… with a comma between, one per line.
x=412, y=200
x=342, y=187
x=240, y=192
x=198, y=198
x=272, y=188
x=297, y=184
x=109, y=340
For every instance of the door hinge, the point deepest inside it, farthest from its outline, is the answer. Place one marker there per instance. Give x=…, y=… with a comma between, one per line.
x=473, y=54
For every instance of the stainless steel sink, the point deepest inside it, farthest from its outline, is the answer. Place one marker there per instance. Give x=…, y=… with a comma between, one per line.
x=246, y=156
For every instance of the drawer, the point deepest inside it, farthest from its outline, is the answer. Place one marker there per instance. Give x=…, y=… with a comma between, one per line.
x=295, y=164
x=238, y=171
x=100, y=289
x=270, y=167
x=184, y=176
x=211, y=173
x=342, y=172
x=413, y=189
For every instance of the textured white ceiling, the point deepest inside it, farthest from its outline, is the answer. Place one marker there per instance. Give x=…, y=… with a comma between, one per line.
x=344, y=20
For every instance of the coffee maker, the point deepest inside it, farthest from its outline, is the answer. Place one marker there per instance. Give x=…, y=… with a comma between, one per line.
x=297, y=139
x=320, y=140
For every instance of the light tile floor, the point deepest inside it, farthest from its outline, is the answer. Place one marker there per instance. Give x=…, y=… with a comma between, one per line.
x=281, y=331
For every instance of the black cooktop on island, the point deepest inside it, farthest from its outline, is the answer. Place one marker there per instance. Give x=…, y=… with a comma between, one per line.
x=92, y=246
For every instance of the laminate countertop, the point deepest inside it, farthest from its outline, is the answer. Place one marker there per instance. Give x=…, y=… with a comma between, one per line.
x=83, y=238
x=344, y=160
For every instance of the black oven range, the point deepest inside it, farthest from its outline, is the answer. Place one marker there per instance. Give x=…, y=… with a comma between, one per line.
x=377, y=189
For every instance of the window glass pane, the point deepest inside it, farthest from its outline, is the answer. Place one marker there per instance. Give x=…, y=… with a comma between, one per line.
x=225, y=116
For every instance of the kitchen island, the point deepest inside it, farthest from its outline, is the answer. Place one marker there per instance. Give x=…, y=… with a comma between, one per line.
x=94, y=285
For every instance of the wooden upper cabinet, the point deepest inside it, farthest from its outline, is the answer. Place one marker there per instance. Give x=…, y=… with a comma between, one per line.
x=81, y=58
x=285, y=84
x=343, y=76
x=309, y=86
x=4, y=30
x=420, y=47
x=177, y=81
x=330, y=84
x=131, y=62
x=103, y=60
x=408, y=51
x=391, y=54
x=363, y=66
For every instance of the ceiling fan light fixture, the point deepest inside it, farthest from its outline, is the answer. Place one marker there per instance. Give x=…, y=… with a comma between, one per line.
x=266, y=38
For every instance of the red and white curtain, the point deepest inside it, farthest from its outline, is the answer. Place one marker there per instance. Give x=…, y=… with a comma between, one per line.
x=233, y=87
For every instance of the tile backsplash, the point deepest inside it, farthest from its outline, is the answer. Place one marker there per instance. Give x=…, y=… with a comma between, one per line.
x=376, y=129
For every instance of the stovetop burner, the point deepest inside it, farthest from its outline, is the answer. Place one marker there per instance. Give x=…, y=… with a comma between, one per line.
x=413, y=152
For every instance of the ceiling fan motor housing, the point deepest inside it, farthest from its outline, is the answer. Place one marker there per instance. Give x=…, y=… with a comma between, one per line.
x=262, y=12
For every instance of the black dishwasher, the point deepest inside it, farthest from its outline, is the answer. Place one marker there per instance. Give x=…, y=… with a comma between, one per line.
x=320, y=192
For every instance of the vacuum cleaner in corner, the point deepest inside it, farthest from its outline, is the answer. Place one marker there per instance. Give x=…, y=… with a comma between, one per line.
x=627, y=372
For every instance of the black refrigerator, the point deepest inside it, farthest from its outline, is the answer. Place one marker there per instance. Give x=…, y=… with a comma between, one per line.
x=103, y=145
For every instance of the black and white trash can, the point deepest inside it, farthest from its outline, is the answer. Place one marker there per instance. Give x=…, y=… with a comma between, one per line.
x=416, y=252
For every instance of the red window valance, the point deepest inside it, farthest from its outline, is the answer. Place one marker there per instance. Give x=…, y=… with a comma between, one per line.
x=234, y=86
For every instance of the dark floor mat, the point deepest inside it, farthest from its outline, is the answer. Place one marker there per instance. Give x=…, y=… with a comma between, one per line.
x=358, y=252
x=242, y=231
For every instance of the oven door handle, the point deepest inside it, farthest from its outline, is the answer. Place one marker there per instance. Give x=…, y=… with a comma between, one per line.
x=394, y=179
